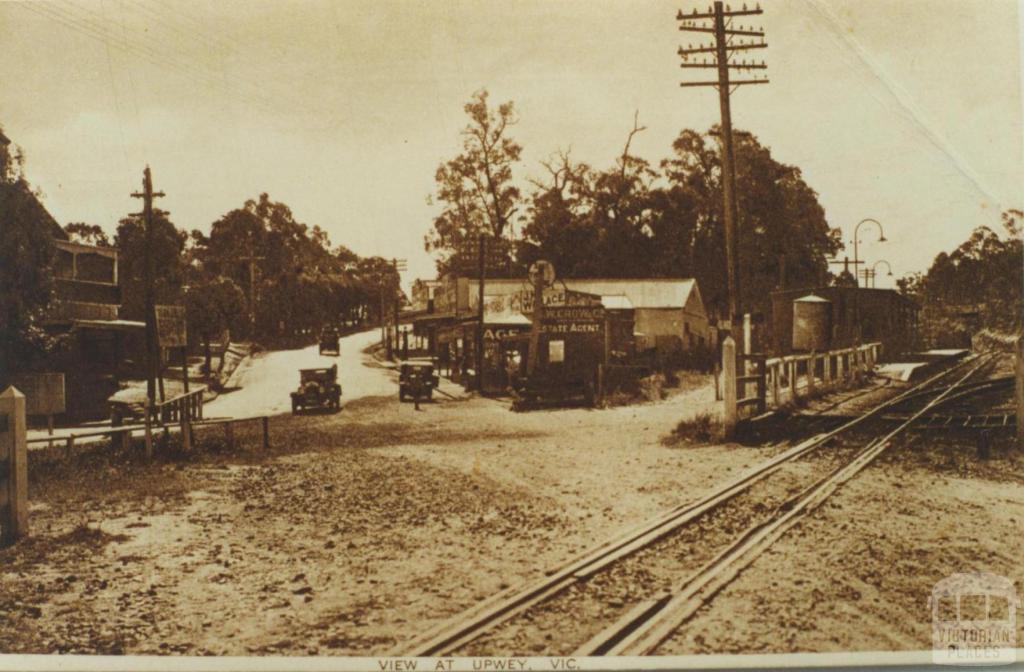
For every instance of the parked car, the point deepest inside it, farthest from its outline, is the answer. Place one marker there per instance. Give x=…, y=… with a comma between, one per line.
x=128, y=404
x=318, y=388
x=416, y=378
x=329, y=342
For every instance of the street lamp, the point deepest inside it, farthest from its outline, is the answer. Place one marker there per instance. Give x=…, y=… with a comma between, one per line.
x=881, y=239
x=880, y=261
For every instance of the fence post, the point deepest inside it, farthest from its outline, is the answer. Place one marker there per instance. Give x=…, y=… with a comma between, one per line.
x=840, y=368
x=826, y=374
x=1020, y=392
x=792, y=380
x=266, y=432
x=776, y=369
x=762, y=386
x=149, y=431
x=126, y=440
x=729, y=385
x=810, y=375
x=186, y=432
x=69, y=447
x=13, y=467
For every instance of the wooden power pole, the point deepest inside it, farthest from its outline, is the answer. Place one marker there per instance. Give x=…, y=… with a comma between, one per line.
x=728, y=39
x=398, y=265
x=152, y=344
x=251, y=260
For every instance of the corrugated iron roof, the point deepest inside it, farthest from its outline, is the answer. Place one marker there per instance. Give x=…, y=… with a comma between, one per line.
x=649, y=293
x=616, y=302
x=641, y=293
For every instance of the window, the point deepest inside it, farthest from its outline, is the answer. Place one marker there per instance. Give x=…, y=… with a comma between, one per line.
x=556, y=352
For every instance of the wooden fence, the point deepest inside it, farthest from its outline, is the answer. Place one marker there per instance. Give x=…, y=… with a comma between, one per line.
x=755, y=383
x=124, y=435
x=188, y=405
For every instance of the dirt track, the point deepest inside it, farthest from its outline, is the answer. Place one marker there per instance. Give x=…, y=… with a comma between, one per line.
x=361, y=529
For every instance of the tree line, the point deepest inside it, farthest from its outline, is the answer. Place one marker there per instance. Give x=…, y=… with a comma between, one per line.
x=298, y=280
x=976, y=286
x=632, y=218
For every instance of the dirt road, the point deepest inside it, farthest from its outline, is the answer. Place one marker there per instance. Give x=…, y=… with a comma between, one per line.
x=264, y=380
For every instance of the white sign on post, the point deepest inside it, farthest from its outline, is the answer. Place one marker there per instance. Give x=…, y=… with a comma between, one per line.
x=44, y=392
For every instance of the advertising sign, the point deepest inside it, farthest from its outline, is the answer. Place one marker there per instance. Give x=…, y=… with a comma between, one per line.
x=497, y=253
x=553, y=297
x=170, y=326
x=573, y=320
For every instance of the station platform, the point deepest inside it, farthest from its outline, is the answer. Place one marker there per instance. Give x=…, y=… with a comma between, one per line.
x=919, y=365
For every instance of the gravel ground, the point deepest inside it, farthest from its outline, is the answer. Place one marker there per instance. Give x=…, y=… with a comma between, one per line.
x=361, y=529
x=356, y=531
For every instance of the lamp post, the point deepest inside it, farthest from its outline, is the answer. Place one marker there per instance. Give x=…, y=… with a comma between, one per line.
x=856, y=229
x=875, y=265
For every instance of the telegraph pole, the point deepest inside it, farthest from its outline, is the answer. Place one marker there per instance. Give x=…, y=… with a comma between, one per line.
x=727, y=40
x=398, y=265
x=252, y=259
x=152, y=345
x=481, y=269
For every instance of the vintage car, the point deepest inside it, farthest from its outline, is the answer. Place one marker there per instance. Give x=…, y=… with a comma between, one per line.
x=329, y=341
x=318, y=388
x=416, y=380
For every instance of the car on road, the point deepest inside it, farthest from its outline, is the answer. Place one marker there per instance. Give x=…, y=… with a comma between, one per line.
x=416, y=377
x=318, y=388
x=330, y=342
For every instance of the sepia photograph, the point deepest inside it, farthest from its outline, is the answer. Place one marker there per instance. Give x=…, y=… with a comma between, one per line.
x=532, y=335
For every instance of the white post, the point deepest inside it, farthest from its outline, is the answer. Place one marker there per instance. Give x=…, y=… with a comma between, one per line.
x=729, y=385
x=810, y=375
x=776, y=370
x=747, y=334
x=13, y=467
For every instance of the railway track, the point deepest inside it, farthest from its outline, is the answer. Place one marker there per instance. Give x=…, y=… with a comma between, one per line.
x=601, y=586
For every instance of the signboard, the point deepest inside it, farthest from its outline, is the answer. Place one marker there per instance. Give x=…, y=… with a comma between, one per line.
x=170, y=326
x=498, y=333
x=554, y=297
x=44, y=392
x=497, y=253
x=543, y=272
x=573, y=320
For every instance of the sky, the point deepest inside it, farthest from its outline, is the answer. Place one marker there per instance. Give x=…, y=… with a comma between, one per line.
x=907, y=112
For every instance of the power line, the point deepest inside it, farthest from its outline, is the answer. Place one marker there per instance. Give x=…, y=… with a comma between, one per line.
x=198, y=32
x=90, y=28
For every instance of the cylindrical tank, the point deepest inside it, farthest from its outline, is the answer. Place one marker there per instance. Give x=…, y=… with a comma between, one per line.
x=812, y=323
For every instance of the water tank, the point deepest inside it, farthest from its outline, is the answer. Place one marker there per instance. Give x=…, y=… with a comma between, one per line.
x=812, y=323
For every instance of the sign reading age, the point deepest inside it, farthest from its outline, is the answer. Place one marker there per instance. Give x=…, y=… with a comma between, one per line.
x=170, y=326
